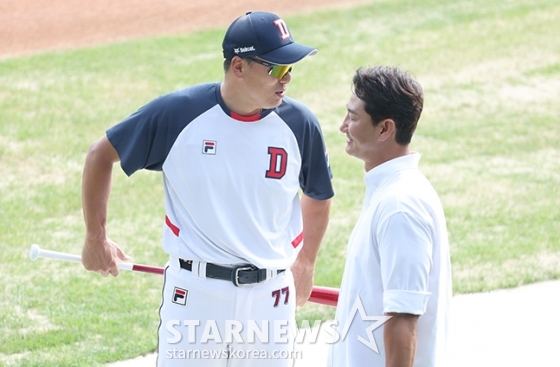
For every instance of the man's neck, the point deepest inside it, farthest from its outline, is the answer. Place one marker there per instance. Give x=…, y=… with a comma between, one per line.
x=234, y=101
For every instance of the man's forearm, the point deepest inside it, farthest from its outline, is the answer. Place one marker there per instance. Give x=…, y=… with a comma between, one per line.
x=315, y=222
x=96, y=186
x=401, y=335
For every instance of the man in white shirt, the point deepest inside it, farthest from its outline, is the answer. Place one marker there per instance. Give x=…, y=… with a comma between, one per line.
x=398, y=269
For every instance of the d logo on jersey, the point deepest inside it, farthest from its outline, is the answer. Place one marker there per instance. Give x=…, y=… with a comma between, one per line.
x=278, y=163
x=180, y=296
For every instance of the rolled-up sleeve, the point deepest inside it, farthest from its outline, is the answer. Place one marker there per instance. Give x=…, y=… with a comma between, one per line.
x=405, y=251
x=410, y=302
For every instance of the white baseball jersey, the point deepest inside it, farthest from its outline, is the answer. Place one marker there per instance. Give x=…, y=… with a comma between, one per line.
x=398, y=261
x=231, y=183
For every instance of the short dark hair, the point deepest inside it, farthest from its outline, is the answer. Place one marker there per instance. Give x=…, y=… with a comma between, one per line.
x=390, y=93
x=227, y=64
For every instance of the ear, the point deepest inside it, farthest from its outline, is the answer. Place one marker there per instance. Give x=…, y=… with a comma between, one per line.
x=387, y=130
x=237, y=66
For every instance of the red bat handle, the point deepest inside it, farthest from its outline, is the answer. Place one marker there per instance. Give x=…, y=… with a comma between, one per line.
x=147, y=269
x=324, y=295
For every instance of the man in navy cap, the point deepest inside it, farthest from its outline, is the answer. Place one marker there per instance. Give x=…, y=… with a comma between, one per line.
x=242, y=242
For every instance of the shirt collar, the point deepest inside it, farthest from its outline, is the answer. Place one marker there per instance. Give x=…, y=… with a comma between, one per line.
x=380, y=173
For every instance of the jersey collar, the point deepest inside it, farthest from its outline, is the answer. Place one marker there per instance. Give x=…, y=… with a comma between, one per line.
x=237, y=116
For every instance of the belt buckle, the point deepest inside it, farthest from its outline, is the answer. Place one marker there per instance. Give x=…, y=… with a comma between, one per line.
x=236, y=270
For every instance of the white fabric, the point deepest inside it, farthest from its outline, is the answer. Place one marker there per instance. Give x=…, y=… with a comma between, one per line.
x=397, y=261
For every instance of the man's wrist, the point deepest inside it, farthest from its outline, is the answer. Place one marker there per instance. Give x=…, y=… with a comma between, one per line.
x=93, y=237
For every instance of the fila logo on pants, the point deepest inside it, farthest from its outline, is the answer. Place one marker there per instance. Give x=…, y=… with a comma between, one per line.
x=180, y=296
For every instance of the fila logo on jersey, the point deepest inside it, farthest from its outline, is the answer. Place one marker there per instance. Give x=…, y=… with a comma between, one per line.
x=180, y=296
x=209, y=147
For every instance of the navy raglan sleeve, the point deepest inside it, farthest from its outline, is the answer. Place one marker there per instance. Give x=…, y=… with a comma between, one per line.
x=315, y=176
x=143, y=140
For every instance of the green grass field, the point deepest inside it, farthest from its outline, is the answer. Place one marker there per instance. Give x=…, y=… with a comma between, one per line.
x=489, y=137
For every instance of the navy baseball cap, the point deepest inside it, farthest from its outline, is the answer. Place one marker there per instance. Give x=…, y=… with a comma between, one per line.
x=266, y=36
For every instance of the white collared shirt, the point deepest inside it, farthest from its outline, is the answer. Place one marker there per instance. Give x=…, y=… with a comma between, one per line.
x=397, y=261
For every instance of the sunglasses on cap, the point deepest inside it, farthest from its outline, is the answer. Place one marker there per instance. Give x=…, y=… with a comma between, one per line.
x=277, y=71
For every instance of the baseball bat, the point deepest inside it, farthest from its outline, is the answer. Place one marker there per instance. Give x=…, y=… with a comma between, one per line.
x=321, y=295
x=324, y=295
x=37, y=252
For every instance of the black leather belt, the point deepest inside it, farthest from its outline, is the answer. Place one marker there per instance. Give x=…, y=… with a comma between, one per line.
x=241, y=274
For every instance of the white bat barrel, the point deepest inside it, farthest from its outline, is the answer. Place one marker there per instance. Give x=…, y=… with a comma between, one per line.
x=36, y=252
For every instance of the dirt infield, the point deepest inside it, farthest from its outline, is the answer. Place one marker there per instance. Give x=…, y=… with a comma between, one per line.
x=29, y=26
